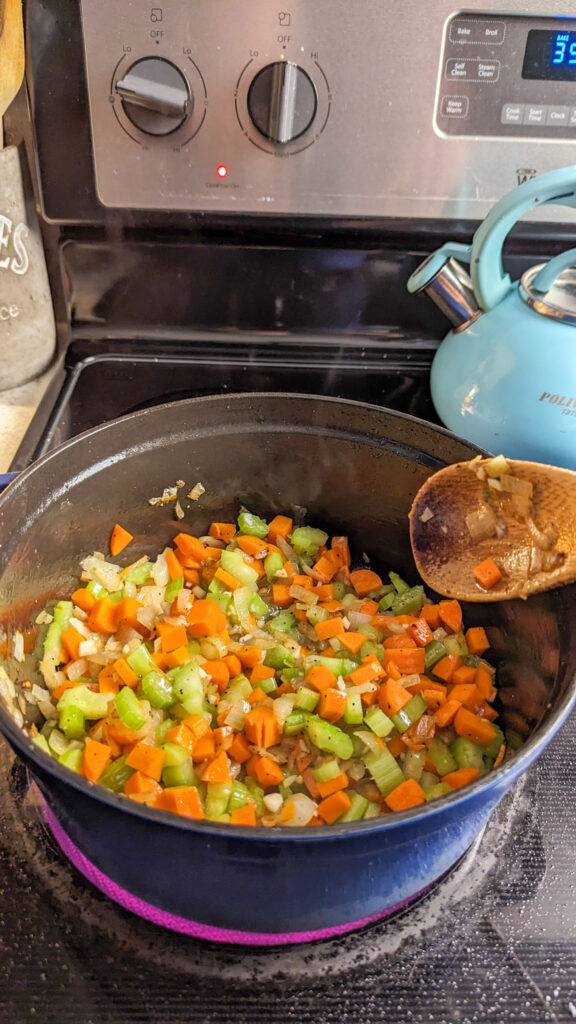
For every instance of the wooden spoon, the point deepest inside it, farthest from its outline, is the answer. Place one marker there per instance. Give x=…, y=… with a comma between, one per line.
x=446, y=554
x=11, y=53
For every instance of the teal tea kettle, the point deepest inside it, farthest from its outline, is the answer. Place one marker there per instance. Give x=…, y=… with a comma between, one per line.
x=505, y=375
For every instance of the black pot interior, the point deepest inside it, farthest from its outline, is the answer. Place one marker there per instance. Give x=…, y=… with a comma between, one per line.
x=350, y=468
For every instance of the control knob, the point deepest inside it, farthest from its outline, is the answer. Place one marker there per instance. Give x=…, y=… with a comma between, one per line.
x=155, y=96
x=282, y=101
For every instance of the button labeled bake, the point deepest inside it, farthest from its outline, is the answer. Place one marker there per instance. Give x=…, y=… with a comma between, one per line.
x=512, y=113
x=469, y=31
x=454, y=106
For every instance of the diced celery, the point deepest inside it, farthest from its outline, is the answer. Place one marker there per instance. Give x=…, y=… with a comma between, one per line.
x=157, y=689
x=268, y=685
x=440, y=789
x=257, y=794
x=258, y=607
x=353, y=712
x=339, y=666
x=316, y=614
x=72, y=723
x=141, y=661
x=378, y=722
x=216, y=588
x=173, y=588
x=188, y=687
x=385, y=770
x=282, y=623
x=339, y=589
x=272, y=565
x=306, y=540
x=387, y=601
x=327, y=771
x=440, y=755
x=400, y=585
x=467, y=754
x=180, y=774
x=233, y=562
x=296, y=722
x=371, y=649
x=174, y=754
x=306, y=699
x=116, y=774
x=414, y=763
x=427, y=780
x=42, y=742
x=372, y=811
x=433, y=652
x=162, y=728
x=129, y=709
x=138, y=574
x=357, y=809
x=455, y=643
x=330, y=738
x=239, y=688
x=252, y=525
x=97, y=590
x=239, y=796
x=410, y=713
x=491, y=752
x=371, y=632
x=224, y=601
x=73, y=760
x=61, y=620
x=278, y=657
x=409, y=602
x=91, y=703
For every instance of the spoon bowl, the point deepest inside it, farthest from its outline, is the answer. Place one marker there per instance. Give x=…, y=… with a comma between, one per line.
x=533, y=544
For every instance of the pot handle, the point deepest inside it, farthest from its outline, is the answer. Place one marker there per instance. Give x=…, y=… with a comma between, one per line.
x=546, y=277
x=491, y=284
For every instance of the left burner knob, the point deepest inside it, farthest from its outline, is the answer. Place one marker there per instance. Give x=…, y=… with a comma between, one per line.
x=155, y=96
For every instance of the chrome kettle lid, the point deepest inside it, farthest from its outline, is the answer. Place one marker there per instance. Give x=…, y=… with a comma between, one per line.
x=557, y=301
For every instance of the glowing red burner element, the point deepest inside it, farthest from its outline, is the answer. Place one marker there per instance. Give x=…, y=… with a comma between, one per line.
x=221, y=170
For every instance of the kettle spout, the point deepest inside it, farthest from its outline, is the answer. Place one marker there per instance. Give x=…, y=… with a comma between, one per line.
x=450, y=288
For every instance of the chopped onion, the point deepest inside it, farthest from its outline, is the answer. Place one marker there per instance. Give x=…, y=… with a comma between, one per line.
x=282, y=707
x=544, y=539
x=357, y=619
x=426, y=515
x=18, y=646
x=160, y=571
x=197, y=491
x=304, y=809
x=303, y=595
x=75, y=669
x=273, y=802
x=481, y=524
x=105, y=573
x=370, y=740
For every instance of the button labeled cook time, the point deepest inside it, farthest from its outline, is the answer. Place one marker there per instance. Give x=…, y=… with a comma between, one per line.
x=512, y=113
x=468, y=31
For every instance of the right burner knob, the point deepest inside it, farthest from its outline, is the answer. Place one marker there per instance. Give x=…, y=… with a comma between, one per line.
x=282, y=101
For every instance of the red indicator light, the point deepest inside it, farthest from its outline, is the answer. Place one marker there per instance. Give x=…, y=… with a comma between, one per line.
x=221, y=170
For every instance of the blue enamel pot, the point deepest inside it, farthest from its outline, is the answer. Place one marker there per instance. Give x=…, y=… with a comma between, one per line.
x=355, y=468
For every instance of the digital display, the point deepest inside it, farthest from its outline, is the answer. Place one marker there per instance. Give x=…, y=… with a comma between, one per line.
x=551, y=55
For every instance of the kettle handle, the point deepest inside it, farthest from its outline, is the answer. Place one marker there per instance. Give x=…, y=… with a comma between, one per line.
x=490, y=282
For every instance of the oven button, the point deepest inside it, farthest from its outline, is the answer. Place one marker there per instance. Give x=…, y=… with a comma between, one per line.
x=282, y=101
x=155, y=96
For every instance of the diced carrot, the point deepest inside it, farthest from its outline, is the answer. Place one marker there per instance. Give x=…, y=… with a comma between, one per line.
x=330, y=627
x=250, y=655
x=431, y=614
x=424, y=683
x=310, y=783
x=178, y=657
x=464, y=674
x=320, y=678
x=138, y=783
x=407, y=794
x=302, y=756
x=467, y=694
x=222, y=531
x=303, y=581
x=182, y=736
x=205, y=618
x=288, y=811
x=245, y=815
x=420, y=632
x=331, y=606
x=444, y=715
x=396, y=746
x=485, y=682
x=366, y=672
x=267, y=772
x=227, y=579
x=500, y=755
x=370, y=697
x=103, y=617
x=190, y=547
x=84, y=599
x=352, y=641
x=281, y=595
x=171, y=636
x=333, y=785
x=327, y=566
x=218, y=671
x=419, y=734
x=365, y=581
x=174, y=566
x=474, y=728
x=239, y=749
x=261, y=727
x=197, y=725
x=487, y=711
x=261, y=672
x=251, y=545
x=487, y=573
x=433, y=698
x=109, y=680
x=146, y=759
x=461, y=777
x=191, y=576
x=369, y=608
x=334, y=806
x=233, y=664
x=324, y=591
x=341, y=546
x=409, y=662
x=451, y=615
x=446, y=667
x=127, y=615
x=71, y=639
x=256, y=696
x=332, y=704
x=127, y=674
x=95, y=757
x=477, y=640
x=279, y=526
x=392, y=697
x=184, y=800
x=217, y=769
x=119, y=539
x=204, y=748
x=399, y=642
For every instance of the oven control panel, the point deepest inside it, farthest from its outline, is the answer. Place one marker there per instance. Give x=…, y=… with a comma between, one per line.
x=326, y=108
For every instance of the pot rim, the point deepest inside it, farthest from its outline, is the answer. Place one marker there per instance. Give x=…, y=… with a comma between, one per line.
x=47, y=765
